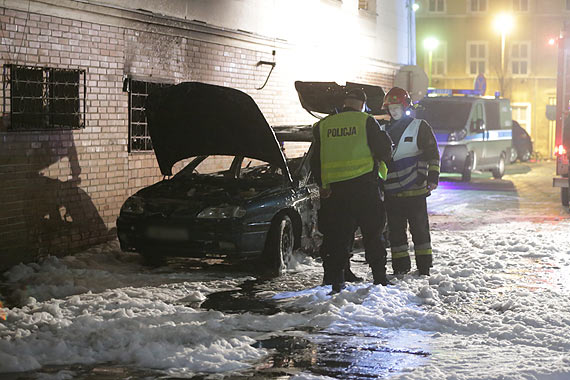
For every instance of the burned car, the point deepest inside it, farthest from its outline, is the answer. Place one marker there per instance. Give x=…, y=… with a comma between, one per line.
x=259, y=205
x=238, y=197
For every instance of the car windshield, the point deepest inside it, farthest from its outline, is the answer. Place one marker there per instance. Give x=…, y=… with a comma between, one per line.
x=444, y=115
x=224, y=166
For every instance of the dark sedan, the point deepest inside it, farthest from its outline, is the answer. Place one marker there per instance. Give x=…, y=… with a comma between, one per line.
x=259, y=205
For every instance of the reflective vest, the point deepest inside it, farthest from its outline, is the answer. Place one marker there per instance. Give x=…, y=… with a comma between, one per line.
x=344, y=147
x=406, y=167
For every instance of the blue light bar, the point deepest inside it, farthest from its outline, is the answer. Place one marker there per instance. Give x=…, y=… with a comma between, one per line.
x=450, y=92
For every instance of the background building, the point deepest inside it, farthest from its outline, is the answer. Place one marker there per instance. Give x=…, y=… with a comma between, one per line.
x=73, y=137
x=523, y=68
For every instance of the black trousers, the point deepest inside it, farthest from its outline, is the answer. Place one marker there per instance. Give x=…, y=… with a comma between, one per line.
x=351, y=204
x=410, y=211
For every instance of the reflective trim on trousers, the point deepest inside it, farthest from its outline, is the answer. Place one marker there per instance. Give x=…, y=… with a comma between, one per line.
x=399, y=255
x=423, y=252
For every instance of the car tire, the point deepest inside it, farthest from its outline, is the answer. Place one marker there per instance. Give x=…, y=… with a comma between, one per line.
x=499, y=171
x=467, y=169
x=279, y=246
x=564, y=196
x=525, y=156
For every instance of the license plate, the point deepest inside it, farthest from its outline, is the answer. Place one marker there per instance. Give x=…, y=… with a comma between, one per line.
x=166, y=233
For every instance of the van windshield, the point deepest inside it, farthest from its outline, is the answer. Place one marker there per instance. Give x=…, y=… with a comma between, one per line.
x=444, y=115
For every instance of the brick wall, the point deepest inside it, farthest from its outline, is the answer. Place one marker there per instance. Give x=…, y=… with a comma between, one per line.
x=62, y=190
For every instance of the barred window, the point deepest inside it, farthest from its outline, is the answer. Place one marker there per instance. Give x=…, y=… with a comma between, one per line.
x=520, y=5
x=476, y=57
x=478, y=6
x=40, y=98
x=139, y=137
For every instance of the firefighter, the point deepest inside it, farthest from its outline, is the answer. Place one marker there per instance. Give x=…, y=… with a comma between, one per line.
x=347, y=149
x=413, y=173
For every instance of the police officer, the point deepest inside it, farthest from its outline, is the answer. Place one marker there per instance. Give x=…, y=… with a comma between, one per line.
x=413, y=173
x=347, y=149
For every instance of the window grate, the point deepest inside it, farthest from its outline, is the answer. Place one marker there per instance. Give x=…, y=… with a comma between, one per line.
x=43, y=98
x=139, y=136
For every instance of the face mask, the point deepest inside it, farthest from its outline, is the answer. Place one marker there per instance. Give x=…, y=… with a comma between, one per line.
x=396, y=111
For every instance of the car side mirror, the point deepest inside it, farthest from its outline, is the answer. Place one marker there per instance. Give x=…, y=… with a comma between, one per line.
x=478, y=125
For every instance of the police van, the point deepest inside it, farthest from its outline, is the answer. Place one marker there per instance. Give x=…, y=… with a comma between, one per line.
x=473, y=132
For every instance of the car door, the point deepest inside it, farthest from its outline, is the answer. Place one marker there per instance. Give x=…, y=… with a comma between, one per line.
x=476, y=137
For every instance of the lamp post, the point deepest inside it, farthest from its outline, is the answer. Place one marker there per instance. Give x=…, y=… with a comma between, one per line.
x=430, y=44
x=503, y=24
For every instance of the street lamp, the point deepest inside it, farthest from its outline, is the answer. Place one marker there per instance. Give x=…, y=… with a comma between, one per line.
x=430, y=44
x=503, y=24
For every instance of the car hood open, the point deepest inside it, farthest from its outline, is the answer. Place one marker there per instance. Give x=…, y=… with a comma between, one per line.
x=192, y=119
x=328, y=97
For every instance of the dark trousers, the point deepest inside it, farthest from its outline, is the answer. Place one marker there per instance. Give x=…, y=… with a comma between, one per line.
x=410, y=211
x=352, y=203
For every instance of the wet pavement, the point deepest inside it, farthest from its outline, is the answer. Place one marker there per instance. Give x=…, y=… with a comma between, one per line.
x=354, y=354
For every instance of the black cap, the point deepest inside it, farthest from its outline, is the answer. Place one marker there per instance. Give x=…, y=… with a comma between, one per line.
x=356, y=93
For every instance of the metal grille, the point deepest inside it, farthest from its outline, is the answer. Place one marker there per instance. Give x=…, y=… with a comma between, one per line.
x=40, y=98
x=139, y=137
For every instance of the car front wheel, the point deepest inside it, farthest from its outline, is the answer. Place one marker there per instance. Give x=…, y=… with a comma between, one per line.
x=279, y=245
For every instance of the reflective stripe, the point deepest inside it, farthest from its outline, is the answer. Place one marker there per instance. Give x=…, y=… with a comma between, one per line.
x=433, y=168
x=423, y=252
x=411, y=193
x=399, y=255
x=411, y=179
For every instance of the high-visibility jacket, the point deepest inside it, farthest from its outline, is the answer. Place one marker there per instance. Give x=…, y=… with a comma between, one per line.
x=407, y=172
x=344, y=147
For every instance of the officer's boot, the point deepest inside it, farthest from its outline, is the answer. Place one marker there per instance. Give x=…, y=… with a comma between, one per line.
x=423, y=262
x=401, y=265
x=379, y=275
x=349, y=275
x=337, y=279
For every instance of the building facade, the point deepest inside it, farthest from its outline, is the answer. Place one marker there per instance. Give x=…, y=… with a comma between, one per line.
x=518, y=60
x=73, y=138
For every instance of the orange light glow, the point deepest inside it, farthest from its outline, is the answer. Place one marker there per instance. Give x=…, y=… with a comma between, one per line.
x=2, y=313
x=552, y=41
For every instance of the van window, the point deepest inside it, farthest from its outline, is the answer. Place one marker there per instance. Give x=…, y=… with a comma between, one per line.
x=493, y=115
x=444, y=115
x=477, y=119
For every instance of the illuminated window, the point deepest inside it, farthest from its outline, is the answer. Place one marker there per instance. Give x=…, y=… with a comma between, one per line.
x=521, y=113
x=521, y=5
x=476, y=57
x=39, y=98
x=520, y=58
x=478, y=6
x=436, y=6
x=438, y=60
x=139, y=137
x=363, y=4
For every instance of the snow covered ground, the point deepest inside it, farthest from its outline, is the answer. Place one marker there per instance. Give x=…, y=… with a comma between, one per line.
x=497, y=306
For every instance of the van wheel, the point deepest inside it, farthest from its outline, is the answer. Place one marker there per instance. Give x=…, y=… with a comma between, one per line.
x=514, y=155
x=467, y=169
x=564, y=196
x=499, y=171
x=278, y=252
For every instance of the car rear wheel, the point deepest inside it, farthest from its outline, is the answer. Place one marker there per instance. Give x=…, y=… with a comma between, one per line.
x=499, y=171
x=564, y=196
x=279, y=246
x=467, y=169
